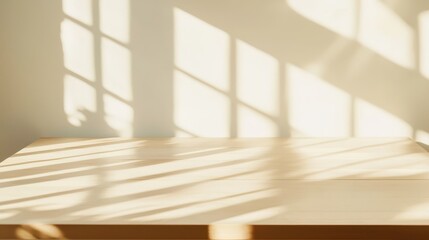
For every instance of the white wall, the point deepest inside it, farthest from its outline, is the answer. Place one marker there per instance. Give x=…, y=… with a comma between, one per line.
x=215, y=68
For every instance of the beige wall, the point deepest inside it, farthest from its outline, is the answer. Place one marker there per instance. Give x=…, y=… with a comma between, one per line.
x=215, y=68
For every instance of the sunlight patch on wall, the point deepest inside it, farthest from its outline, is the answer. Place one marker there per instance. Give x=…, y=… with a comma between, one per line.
x=423, y=19
x=116, y=69
x=254, y=124
x=199, y=109
x=317, y=109
x=118, y=115
x=79, y=100
x=114, y=19
x=183, y=133
x=257, y=87
x=78, y=48
x=257, y=78
x=372, y=121
x=422, y=136
x=338, y=16
x=80, y=10
x=384, y=32
x=321, y=63
x=201, y=49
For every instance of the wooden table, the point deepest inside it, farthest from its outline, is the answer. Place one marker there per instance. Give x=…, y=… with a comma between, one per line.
x=216, y=188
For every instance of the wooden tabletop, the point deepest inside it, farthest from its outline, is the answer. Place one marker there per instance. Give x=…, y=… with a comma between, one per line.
x=217, y=181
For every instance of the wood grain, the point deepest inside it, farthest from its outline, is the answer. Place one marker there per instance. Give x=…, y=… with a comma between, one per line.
x=309, y=185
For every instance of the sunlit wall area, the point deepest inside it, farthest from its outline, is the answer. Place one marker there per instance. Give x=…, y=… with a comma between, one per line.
x=376, y=66
x=257, y=87
x=201, y=78
x=97, y=85
x=215, y=68
x=78, y=49
x=386, y=33
x=423, y=20
x=116, y=87
x=373, y=121
x=80, y=10
x=317, y=109
x=75, y=105
x=338, y=16
x=224, y=87
x=200, y=110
